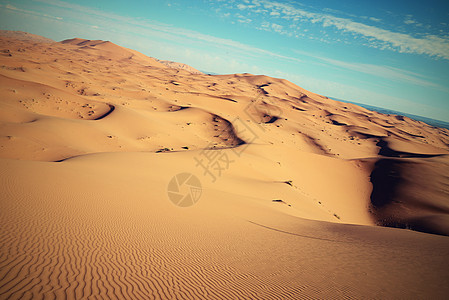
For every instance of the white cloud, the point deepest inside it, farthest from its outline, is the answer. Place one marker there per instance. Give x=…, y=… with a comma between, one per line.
x=433, y=46
x=9, y=6
x=164, y=31
x=244, y=21
x=29, y=12
x=276, y=27
x=387, y=72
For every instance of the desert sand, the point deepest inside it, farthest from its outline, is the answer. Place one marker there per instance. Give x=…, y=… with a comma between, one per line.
x=301, y=196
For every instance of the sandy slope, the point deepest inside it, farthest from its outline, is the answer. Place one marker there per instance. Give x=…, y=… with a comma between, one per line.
x=25, y=36
x=92, y=133
x=179, y=66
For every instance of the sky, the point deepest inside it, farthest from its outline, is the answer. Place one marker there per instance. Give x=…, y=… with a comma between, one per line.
x=392, y=54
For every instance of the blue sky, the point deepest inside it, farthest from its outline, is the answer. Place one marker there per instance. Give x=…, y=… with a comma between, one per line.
x=392, y=54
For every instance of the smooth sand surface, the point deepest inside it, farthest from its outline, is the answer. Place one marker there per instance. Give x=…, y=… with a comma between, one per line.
x=91, y=135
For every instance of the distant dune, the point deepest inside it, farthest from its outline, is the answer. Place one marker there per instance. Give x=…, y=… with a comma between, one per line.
x=180, y=66
x=25, y=36
x=299, y=196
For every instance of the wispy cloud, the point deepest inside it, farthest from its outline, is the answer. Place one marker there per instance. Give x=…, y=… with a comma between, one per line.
x=169, y=32
x=387, y=72
x=242, y=6
x=243, y=19
x=410, y=20
x=277, y=27
x=431, y=45
x=29, y=12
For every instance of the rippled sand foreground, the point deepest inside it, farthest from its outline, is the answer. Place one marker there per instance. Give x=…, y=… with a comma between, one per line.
x=287, y=193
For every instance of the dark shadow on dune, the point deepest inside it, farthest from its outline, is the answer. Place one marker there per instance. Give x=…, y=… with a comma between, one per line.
x=368, y=136
x=404, y=195
x=228, y=133
x=434, y=224
x=338, y=123
x=385, y=150
x=64, y=159
x=314, y=143
x=261, y=86
x=271, y=120
x=111, y=109
x=385, y=178
x=297, y=108
x=175, y=108
x=228, y=99
x=411, y=134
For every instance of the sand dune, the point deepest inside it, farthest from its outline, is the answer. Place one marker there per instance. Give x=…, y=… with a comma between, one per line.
x=179, y=66
x=92, y=133
x=25, y=36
